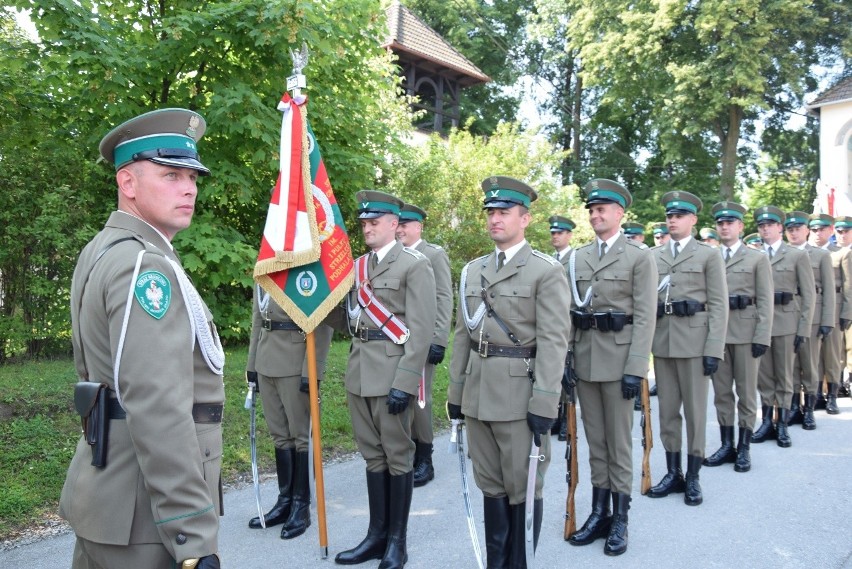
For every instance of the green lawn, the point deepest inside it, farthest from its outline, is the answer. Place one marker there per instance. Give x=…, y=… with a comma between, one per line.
x=39, y=429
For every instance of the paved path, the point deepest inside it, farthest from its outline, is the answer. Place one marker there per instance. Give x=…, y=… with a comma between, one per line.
x=790, y=511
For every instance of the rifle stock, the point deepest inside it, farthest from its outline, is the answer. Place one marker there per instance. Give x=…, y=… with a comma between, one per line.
x=572, y=475
x=647, y=437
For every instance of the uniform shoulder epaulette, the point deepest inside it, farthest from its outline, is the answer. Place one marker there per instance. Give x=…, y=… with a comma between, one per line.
x=433, y=246
x=414, y=253
x=636, y=244
x=476, y=260
x=703, y=244
x=548, y=258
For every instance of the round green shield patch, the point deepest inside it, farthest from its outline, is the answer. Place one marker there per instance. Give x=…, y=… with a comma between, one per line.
x=154, y=293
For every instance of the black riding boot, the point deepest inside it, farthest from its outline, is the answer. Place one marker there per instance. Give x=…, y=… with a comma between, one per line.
x=497, y=525
x=831, y=400
x=673, y=481
x=373, y=546
x=820, y=400
x=809, y=422
x=401, y=488
x=726, y=453
x=796, y=416
x=766, y=430
x=783, y=435
x=518, y=537
x=598, y=523
x=616, y=541
x=281, y=510
x=743, y=463
x=423, y=469
x=300, y=513
x=693, y=495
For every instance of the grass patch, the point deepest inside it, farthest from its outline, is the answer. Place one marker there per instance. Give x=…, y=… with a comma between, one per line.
x=39, y=429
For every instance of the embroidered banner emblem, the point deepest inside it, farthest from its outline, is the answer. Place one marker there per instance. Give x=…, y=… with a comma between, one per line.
x=153, y=291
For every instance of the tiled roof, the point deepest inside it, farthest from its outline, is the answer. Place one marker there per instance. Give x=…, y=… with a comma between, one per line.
x=841, y=91
x=408, y=33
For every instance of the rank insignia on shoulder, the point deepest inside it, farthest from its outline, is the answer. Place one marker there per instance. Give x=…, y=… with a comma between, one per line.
x=153, y=292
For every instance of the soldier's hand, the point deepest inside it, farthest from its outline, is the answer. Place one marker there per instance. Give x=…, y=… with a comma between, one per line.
x=397, y=401
x=797, y=342
x=454, y=411
x=844, y=324
x=539, y=426
x=303, y=385
x=711, y=364
x=824, y=331
x=758, y=350
x=630, y=386
x=436, y=354
x=251, y=380
x=206, y=562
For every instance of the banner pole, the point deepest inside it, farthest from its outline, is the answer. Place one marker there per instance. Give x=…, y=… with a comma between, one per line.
x=313, y=394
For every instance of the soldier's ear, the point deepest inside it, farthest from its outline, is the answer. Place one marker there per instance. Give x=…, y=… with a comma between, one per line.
x=126, y=180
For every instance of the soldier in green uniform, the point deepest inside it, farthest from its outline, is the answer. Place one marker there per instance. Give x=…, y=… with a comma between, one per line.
x=410, y=231
x=791, y=324
x=635, y=232
x=688, y=343
x=613, y=326
x=661, y=233
x=750, y=297
x=277, y=364
x=806, y=360
x=561, y=233
x=753, y=241
x=843, y=236
x=709, y=236
x=509, y=351
x=140, y=327
x=391, y=314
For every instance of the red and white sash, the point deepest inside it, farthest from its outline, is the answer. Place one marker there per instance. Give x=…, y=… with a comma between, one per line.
x=393, y=327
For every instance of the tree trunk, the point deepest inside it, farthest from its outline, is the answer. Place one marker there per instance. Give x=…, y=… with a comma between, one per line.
x=729, y=139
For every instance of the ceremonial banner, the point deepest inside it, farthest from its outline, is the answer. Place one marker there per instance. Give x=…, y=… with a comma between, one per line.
x=305, y=261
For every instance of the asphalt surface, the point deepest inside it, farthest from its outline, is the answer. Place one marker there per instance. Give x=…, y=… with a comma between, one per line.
x=792, y=510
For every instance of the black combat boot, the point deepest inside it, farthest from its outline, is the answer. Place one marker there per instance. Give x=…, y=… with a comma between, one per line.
x=766, y=430
x=401, y=489
x=809, y=422
x=673, y=481
x=616, y=541
x=831, y=400
x=518, y=537
x=374, y=545
x=300, y=512
x=743, y=463
x=783, y=436
x=693, y=496
x=598, y=523
x=820, y=400
x=497, y=525
x=423, y=469
x=795, y=416
x=726, y=453
x=281, y=510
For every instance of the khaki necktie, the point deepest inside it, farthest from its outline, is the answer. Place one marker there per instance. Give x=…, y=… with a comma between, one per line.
x=373, y=260
x=501, y=260
x=603, y=250
x=727, y=254
x=676, y=249
x=771, y=252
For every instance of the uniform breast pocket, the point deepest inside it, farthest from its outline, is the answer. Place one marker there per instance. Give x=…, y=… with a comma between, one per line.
x=390, y=291
x=517, y=301
x=617, y=286
x=693, y=274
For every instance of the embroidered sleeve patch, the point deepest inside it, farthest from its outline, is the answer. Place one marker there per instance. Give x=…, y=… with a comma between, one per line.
x=154, y=293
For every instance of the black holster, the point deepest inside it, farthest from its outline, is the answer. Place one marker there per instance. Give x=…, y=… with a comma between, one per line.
x=91, y=400
x=783, y=298
x=739, y=301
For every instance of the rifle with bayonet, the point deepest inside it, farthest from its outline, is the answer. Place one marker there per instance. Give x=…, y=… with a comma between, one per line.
x=569, y=381
x=647, y=437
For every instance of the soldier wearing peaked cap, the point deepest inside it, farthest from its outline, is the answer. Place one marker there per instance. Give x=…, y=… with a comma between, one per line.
x=561, y=233
x=806, y=364
x=793, y=281
x=709, y=236
x=750, y=295
x=753, y=241
x=843, y=236
x=391, y=312
x=614, y=282
x=692, y=310
x=510, y=346
x=409, y=232
x=661, y=233
x=635, y=232
x=148, y=493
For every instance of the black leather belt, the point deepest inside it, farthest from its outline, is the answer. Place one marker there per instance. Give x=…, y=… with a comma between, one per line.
x=276, y=325
x=201, y=412
x=783, y=298
x=367, y=335
x=487, y=350
x=680, y=308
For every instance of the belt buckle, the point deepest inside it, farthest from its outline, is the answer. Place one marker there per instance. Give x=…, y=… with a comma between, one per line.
x=667, y=308
x=267, y=324
x=363, y=334
x=483, y=349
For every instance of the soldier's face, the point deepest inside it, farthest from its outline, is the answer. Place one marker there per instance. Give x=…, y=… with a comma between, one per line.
x=560, y=239
x=379, y=231
x=605, y=219
x=409, y=232
x=507, y=226
x=661, y=238
x=164, y=196
x=844, y=237
x=729, y=231
x=680, y=224
x=821, y=235
x=770, y=232
x=796, y=235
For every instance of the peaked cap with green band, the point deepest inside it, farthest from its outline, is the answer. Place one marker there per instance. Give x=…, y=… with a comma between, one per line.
x=843, y=222
x=633, y=228
x=560, y=223
x=681, y=202
x=752, y=238
x=796, y=218
x=728, y=211
x=820, y=220
x=768, y=214
x=601, y=190
x=410, y=212
x=373, y=204
x=708, y=233
x=660, y=228
x=167, y=137
x=503, y=192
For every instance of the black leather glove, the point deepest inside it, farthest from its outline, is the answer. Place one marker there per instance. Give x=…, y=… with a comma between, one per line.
x=844, y=324
x=630, y=386
x=397, y=401
x=303, y=385
x=824, y=331
x=454, y=411
x=539, y=426
x=711, y=364
x=206, y=562
x=251, y=378
x=797, y=342
x=758, y=350
x=436, y=354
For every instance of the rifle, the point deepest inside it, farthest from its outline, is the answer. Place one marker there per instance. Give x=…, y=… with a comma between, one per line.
x=647, y=437
x=571, y=475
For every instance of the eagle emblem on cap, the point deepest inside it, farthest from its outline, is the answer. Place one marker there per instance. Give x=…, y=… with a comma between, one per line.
x=193, y=125
x=595, y=185
x=676, y=195
x=493, y=181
